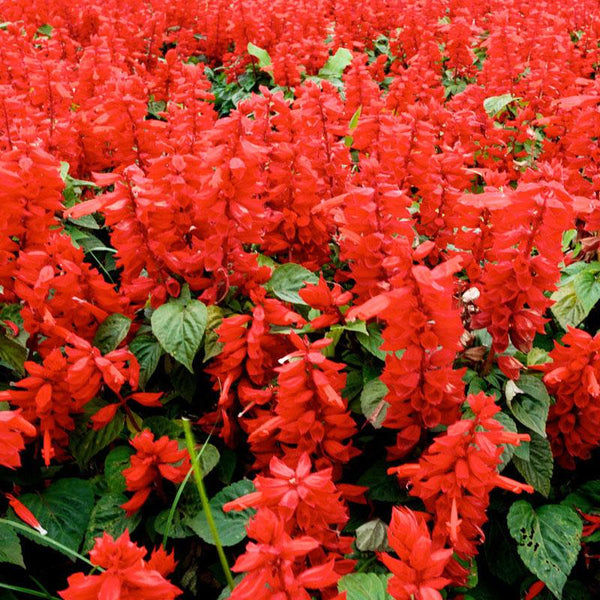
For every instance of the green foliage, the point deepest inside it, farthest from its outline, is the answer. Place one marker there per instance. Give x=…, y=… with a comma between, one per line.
x=179, y=327
x=112, y=331
x=548, y=540
x=364, y=586
x=63, y=509
x=231, y=526
x=288, y=279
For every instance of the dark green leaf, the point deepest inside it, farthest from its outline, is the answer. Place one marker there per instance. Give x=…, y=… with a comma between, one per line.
x=529, y=402
x=117, y=460
x=10, y=546
x=86, y=445
x=147, y=350
x=537, y=470
x=548, y=540
x=63, y=509
x=108, y=516
x=232, y=525
x=179, y=328
x=111, y=332
x=12, y=354
x=212, y=346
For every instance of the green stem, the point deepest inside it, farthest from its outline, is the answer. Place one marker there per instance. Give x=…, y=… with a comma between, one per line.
x=46, y=540
x=174, y=507
x=198, y=478
x=16, y=588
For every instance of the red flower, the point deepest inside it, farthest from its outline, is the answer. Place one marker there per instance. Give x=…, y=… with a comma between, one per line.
x=127, y=575
x=456, y=474
x=12, y=429
x=153, y=461
x=417, y=572
x=573, y=378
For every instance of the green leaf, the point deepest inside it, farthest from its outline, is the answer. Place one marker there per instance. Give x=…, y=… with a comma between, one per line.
x=232, y=525
x=85, y=446
x=382, y=487
x=501, y=553
x=179, y=328
x=336, y=64
x=264, y=60
x=63, y=509
x=212, y=346
x=10, y=546
x=509, y=449
x=372, y=536
x=548, y=540
x=112, y=332
x=160, y=426
x=288, y=279
x=372, y=402
x=529, y=402
x=148, y=351
x=12, y=354
x=372, y=342
x=364, y=586
x=494, y=104
x=114, y=463
x=209, y=458
x=354, y=120
x=108, y=516
x=45, y=30
x=586, y=498
x=537, y=471
x=578, y=293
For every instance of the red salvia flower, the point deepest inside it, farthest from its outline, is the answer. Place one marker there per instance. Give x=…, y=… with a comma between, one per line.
x=127, y=576
x=153, y=461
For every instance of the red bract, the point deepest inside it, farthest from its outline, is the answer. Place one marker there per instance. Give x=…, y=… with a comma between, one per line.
x=417, y=573
x=127, y=576
x=456, y=474
x=153, y=462
x=13, y=427
x=573, y=379
x=275, y=566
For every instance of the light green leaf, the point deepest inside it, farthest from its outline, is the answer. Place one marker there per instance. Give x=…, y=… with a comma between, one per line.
x=231, y=525
x=548, y=540
x=364, y=586
x=372, y=402
x=494, y=104
x=288, y=279
x=335, y=66
x=179, y=327
x=372, y=342
x=537, y=470
x=108, y=516
x=112, y=331
x=262, y=55
x=372, y=536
